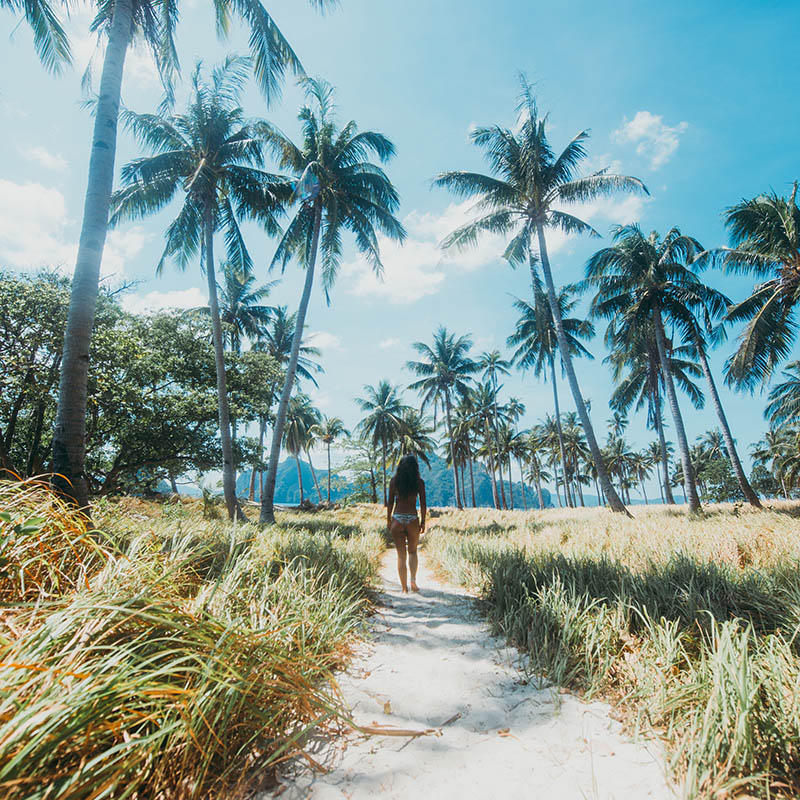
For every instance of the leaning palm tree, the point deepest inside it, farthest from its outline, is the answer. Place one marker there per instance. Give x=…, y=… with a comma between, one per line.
x=522, y=199
x=122, y=23
x=536, y=340
x=328, y=431
x=49, y=37
x=384, y=408
x=212, y=155
x=338, y=188
x=765, y=242
x=643, y=280
x=444, y=373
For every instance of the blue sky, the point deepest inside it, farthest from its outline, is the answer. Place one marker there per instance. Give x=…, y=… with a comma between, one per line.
x=697, y=99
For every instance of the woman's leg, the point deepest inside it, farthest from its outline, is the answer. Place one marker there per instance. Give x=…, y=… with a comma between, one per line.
x=412, y=533
x=398, y=532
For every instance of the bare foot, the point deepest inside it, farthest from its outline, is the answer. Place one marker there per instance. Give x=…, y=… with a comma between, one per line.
x=405, y=590
x=414, y=587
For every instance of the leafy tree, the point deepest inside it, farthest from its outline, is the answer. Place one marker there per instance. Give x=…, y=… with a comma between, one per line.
x=536, y=340
x=123, y=22
x=383, y=424
x=346, y=191
x=214, y=156
x=765, y=242
x=444, y=372
x=523, y=198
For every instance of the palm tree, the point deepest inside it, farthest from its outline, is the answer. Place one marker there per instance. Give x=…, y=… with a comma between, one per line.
x=641, y=465
x=636, y=369
x=776, y=449
x=414, y=436
x=535, y=452
x=481, y=400
x=123, y=22
x=522, y=199
x=276, y=338
x=384, y=420
x=49, y=37
x=640, y=280
x=300, y=419
x=444, y=372
x=241, y=310
x=765, y=242
x=784, y=400
x=493, y=364
x=338, y=189
x=328, y=431
x=536, y=340
x=214, y=156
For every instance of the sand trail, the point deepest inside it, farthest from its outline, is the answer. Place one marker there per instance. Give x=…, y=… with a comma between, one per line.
x=431, y=664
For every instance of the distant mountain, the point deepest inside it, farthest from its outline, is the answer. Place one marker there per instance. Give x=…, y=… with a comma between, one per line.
x=438, y=485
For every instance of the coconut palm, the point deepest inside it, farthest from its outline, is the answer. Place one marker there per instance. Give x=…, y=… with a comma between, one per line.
x=276, y=338
x=212, y=155
x=123, y=22
x=444, y=373
x=536, y=450
x=301, y=417
x=49, y=37
x=328, y=431
x=338, y=188
x=784, y=399
x=493, y=364
x=383, y=424
x=764, y=235
x=636, y=369
x=465, y=425
x=414, y=436
x=643, y=280
x=536, y=340
x=482, y=402
x=523, y=198
x=241, y=309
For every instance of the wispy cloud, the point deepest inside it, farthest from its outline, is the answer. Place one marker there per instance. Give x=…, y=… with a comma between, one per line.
x=156, y=301
x=324, y=340
x=43, y=157
x=655, y=140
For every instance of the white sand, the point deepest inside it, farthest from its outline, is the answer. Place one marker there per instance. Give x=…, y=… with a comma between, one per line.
x=431, y=658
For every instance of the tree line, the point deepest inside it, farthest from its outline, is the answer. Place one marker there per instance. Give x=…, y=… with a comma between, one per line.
x=214, y=158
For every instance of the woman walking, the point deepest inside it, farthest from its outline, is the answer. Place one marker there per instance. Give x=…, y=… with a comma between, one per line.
x=401, y=517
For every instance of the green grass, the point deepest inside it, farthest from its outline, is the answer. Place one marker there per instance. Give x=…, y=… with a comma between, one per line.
x=690, y=626
x=171, y=655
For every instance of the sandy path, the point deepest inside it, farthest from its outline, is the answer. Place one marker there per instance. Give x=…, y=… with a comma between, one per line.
x=431, y=658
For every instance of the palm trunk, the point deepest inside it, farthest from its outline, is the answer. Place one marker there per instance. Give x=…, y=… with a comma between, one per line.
x=313, y=473
x=172, y=485
x=510, y=484
x=560, y=432
x=5, y=459
x=228, y=474
x=471, y=477
x=669, y=499
x=644, y=493
x=383, y=449
x=599, y=494
x=268, y=497
x=261, y=428
x=299, y=476
x=747, y=489
x=452, y=448
x=566, y=361
x=488, y=437
x=69, y=436
x=329, y=473
x=522, y=481
x=689, y=482
x=497, y=439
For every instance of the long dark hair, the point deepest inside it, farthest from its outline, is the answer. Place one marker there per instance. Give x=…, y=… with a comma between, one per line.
x=406, y=479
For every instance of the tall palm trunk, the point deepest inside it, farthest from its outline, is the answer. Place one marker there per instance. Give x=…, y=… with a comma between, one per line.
x=733, y=456
x=228, y=474
x=488, y=438
x=69, y=436
x=566, y=361
x=522, y=481
x=329, y=472
x=383, y=449
x=313, y=473
x=497, y=440
x=510, y=484
x=472, y=482
x=268, y=497
x=688, y=471
x=299, y=475
x=539, y=494
x=262, y=425
x=452, y=448
x=559, y=430
x=662, y=443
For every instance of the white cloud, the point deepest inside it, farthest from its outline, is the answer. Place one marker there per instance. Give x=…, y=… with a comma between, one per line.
x=390, y=344
x=656, y=140
x=324, y=340
x=156, y=301
x=43, y=157
x=36, y=231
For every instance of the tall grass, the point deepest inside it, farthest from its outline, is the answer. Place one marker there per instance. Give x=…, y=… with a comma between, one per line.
x=689, y=625
x=171, y=656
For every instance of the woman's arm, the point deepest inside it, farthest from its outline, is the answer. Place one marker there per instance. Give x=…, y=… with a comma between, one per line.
x=423, y=506
x=390, y=503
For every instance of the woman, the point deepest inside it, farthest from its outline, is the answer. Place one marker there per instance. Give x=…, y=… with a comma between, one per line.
x=401, y=516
